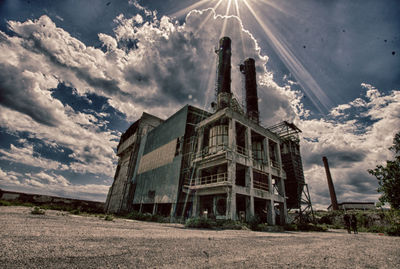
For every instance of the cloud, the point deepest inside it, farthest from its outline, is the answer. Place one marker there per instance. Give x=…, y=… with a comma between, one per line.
x=351, y=146
x=50, y=183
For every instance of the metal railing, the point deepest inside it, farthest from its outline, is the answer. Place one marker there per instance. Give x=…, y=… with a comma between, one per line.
x=260, y=185
x=242, y=151
x=216, y=178
x=274, y=164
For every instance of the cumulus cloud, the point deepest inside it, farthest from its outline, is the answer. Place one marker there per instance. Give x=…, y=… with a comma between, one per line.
x=351, y=146
x=50, y=183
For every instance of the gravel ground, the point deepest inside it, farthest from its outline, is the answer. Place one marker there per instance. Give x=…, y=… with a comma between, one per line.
x=61, y=240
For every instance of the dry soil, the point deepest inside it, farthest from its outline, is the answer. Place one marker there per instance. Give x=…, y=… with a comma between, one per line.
x=61, y=240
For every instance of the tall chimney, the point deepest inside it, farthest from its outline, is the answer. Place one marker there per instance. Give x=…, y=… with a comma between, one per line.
x=248, y=68
x=330, y=184
x=224, y=73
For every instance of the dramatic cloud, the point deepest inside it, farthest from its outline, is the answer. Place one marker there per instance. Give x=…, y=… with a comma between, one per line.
x=355, y=139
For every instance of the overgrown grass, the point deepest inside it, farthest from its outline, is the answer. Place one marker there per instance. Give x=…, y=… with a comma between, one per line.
x=37, y=211
x=109, y=218
x=306, y=227
x=146, y=217
x=15, y=203
x=206, y=223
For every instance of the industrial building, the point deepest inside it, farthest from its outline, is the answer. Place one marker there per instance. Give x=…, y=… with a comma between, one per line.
x=223, y=165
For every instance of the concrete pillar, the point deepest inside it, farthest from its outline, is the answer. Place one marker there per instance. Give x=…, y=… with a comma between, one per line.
x=267, y=153
x=283, y=211
x=231, y=204
x=232, y=172
x=171, y=212
x=279, y=158
x=249, y=207
x=232, y=134
x=200, y=139
x=155, y=207
x=270, y=185
x=270, y=212
x=265, y=150
x=196, y=205
x=249, y=148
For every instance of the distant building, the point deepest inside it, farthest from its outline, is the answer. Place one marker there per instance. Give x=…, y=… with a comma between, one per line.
x=355, y=206
x=224, y=164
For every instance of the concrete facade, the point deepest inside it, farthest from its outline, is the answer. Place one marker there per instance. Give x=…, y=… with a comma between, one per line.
x=195, y=163
x=121, y=191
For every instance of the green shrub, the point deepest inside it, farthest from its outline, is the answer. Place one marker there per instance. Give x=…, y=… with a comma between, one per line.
x=200, y=222
x=290, y=227
x=230, y=225
x=37, y=211
x=393, y=230
x=253, y=223
x=5, y=203
x=109, y=218
x=75, y=211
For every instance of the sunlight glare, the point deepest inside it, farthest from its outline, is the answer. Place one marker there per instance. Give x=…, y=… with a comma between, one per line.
x=303, y=77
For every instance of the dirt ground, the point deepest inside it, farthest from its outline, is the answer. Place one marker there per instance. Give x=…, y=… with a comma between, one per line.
x=61, y=240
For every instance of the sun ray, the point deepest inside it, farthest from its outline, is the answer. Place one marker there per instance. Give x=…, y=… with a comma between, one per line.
x=186, y=10
x=275, y=6
x=237, y=8
x=208, y=16
x=304, y=78
x=226, y=18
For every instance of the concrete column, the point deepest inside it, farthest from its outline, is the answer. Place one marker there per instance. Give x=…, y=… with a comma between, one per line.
x=232, y=172
x=232, y=134
x=283, y=211
x=270, y=185
x=200, y=139
x=248, y=143
x=282, y=186
x=265, y=150
x=268, y=154
x=155, y=207
x=171, y=212
x=270, y=212
x=249, y=207
x=196, y=205
x=279, y=158
x=231, y=204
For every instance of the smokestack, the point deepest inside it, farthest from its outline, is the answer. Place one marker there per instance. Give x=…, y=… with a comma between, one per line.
x=248, y=68
x=330, y=184
x=224, y=73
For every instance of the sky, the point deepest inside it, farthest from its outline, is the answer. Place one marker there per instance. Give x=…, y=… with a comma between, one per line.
x=75, y=74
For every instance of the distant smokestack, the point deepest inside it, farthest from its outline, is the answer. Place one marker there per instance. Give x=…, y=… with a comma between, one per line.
x=248, y=68
x=330, y=184
x=224, y=73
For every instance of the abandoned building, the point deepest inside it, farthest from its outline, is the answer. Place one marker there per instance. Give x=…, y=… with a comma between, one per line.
x=223, y=164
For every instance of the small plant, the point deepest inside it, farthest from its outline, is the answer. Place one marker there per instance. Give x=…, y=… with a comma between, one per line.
x=109, y=218
x=37, y=211
x=75, y=212
x=5, y=203
x=200, y=222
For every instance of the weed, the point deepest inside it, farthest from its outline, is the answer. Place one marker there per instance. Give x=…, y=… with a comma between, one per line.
x=109, y=218
x=200, y=222
x=5, y=203
x=75, y=211
x=37, y=211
